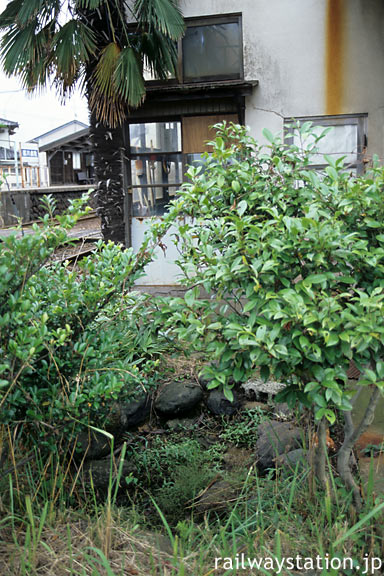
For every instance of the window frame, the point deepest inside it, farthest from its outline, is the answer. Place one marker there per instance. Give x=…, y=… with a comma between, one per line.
x=132, y=156
x=360, y=120
x=210, y=20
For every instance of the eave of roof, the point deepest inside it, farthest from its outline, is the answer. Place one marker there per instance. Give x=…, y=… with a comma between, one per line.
x=59, y=127
x=9, y=124
x=81, y=134
x=171, y=91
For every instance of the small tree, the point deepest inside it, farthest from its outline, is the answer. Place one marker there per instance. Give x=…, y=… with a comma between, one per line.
x=292, y=262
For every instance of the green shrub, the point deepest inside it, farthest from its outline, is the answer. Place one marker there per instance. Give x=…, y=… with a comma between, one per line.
x=71, y=338
x=293, y=263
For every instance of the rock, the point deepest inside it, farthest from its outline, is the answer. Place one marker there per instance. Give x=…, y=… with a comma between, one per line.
x=124, y=415
x=219, y=405
x=178, y=397
x=92, y=445
x=276, y=438
x=137, y=412
x=292, y=458
x=257, y=387
x=236, y=458
x=204, y=382
x=282, y=411
x=177, y=424
x=252, y=405
x=218, y=497
x=100, y=471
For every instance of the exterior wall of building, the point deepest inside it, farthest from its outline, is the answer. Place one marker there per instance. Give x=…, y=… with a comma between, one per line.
x=310, y=58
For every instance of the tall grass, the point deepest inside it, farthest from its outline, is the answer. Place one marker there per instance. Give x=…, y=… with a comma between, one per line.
x=46, y=532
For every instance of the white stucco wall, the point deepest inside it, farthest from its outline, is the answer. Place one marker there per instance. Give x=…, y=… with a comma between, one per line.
x=287, y=46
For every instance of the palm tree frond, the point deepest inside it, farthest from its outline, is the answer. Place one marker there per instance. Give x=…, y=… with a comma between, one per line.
x=164, y=15
x=8, y=16
x=103, y=98
x=17, y=48
x=21, y=13
x=89, y=4
x=72, y=45
x=103, y=77
x=128, y=78
x=26, y=53
x=160, y=54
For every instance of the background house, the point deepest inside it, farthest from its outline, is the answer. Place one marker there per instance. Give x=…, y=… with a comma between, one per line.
x=19, y=161
x=7, y=146
x=262, y=64
x=66, y=154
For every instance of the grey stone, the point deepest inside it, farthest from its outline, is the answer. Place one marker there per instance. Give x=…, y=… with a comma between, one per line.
x=276, y=438
x=100, y=471
x=92, y=445
x=282, y=411
x=181, y=423
x=124, y=415
x=178, y=397
x=256, y=387
x=137, y=412
x=218, y=497
x=292, y=458
x=219, y=405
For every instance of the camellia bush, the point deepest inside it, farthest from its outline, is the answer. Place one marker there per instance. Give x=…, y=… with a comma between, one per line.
x=291, y=262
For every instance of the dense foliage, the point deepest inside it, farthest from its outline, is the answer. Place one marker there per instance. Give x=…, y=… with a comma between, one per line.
x=292, y=262
x=72, y=337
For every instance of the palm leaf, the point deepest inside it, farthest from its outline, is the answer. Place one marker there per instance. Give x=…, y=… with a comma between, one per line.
x=89, y=4
x=26, y=53
x=105, y=69
x=103, y=98
x=21, y=13
x=160, y=54
x=73, y=45
x=128, y=78
x=43, y=10
x=17, y=48
x=161, y=14
x=8, y=16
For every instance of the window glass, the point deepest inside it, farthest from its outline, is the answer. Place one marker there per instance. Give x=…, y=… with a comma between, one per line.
x=155, y=137
x=76, y=161
x=340, y=141
x=156, y=169
x=213, y=50
x=152, y=200
x=345, y=137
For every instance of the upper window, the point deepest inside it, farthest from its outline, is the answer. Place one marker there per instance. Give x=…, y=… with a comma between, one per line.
x=212, y=49
x=347, y=139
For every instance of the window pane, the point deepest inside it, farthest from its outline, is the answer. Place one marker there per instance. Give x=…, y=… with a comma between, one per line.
x=213, y=50
x=341, y=140
x=156, y=169
x=155, y=137
x=152, y=201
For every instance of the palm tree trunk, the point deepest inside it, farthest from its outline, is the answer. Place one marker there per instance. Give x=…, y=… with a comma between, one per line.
x=108, y=149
